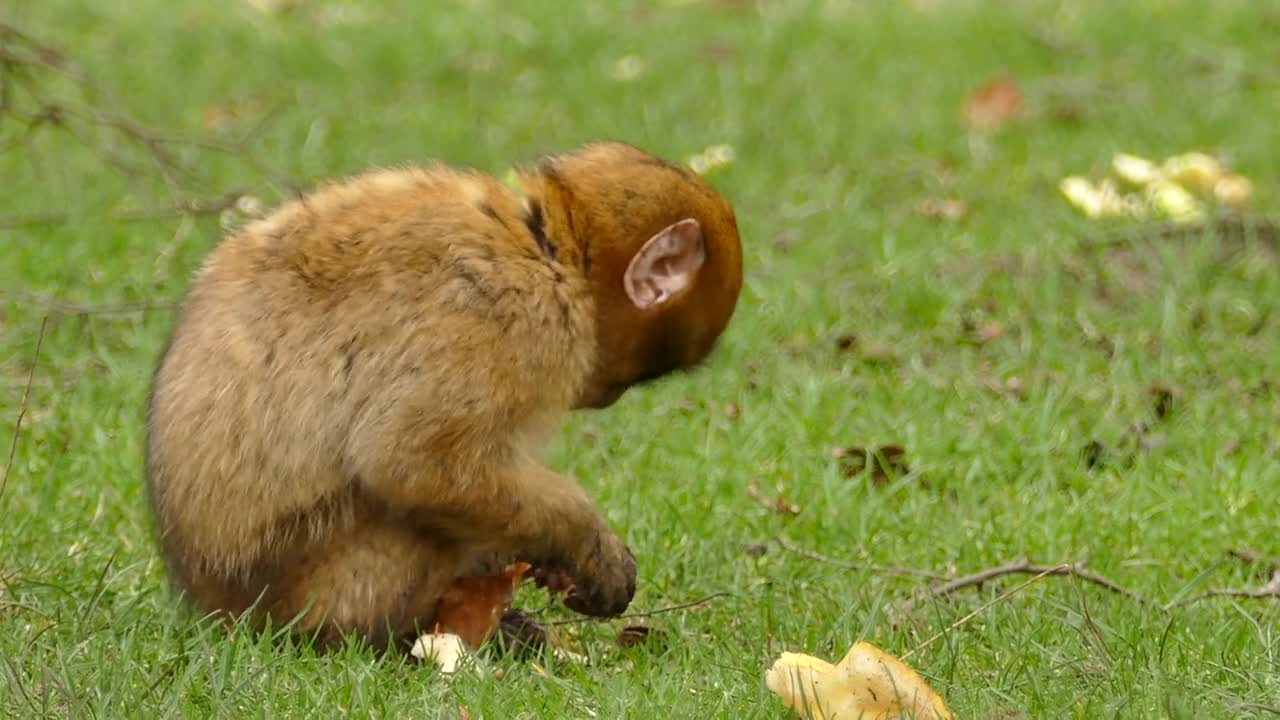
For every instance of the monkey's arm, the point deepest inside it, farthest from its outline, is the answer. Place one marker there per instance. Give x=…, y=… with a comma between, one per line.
x=498, y=496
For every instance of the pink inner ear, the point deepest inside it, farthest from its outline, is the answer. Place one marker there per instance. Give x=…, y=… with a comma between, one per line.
x=666, y=265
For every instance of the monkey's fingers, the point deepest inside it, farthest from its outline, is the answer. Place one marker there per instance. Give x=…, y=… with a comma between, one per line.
x=557, y=582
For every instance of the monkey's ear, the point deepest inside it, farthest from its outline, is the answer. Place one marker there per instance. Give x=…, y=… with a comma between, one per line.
x=666, y=265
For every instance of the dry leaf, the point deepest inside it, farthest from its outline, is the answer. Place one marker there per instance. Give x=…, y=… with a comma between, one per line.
x=867, y=683
x=633, y=635
x=464, y=713
x=947, y=209
x=989, y=331
x=1162, y=396
x=779, y=505
x=887, y=462
x=993, y=105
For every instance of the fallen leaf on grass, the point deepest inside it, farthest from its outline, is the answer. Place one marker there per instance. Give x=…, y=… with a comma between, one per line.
x=994, y=104
x=464, y=713
x=988, y=331
x=633, y=635
x=886, y=462
x=1094, y=453
x=867, y=683
x=872, y=352
x=1163, y=396
x=1012, y=386
x=946, y=209
x=780, y=504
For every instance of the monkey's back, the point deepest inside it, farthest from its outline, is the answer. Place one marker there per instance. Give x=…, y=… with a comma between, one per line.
x=410, y=294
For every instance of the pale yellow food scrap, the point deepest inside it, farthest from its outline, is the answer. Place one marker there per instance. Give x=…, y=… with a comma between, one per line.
x=1082, y=194
x=867, y=683
x=1234, y=190
x=1174, y=201
x=711, y=159
x=1194, y=170
x=444, y=649
x=1135, y=170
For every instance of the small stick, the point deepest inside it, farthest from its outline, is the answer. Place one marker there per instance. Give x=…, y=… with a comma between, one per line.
x=1270, y=590
x=998, y=599
x=868, y=567
x=1025, y=567
x=22, y=408
x=1249, y=555
x=58, y=306
x=646, y=613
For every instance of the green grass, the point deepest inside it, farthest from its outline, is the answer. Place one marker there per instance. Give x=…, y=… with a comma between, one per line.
x=845, y=116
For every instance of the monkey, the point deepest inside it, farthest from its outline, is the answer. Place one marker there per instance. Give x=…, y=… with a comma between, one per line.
x=352, y=406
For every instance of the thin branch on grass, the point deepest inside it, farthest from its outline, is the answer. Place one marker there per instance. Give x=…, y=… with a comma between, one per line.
x=1253, y=557
x=866, y=567
x=193, y=207
x=1268, y=591
x=647, y=613
x=23, y=59
x=1025, y=567
x=982, y=608
x=22, y=408
x=58, y=306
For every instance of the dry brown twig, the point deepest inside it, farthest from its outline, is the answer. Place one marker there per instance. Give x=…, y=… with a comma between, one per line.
x=647, y=613
x=1026, y=567
x=193, y=207
x=1270, y=590
x=23, y=59
x=22, y=408
x=978, y=611
x=866, y=567
x=58, y=306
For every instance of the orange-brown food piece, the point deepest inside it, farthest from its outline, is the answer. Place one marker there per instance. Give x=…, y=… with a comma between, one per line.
x=472, y=606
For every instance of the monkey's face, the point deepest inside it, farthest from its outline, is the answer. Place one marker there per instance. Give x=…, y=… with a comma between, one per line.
x=661, y=251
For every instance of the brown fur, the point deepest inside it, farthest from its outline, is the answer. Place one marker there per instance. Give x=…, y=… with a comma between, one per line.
x=351, y=408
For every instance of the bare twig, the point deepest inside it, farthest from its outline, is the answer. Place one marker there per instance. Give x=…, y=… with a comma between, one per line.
x=1025, y=567
x=1270, y=590
x=1249, y=555
x=997, y=599
x=22, y=408
x=190, y=207
x=58, y=306
x=866, y=567
x=24, y=60
x=647, y=613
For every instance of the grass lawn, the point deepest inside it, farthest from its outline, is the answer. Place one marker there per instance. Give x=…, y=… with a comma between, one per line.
x=1065, y=390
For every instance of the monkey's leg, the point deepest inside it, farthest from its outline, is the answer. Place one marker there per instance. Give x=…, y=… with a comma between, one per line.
x=518, y=507
x=380, y=581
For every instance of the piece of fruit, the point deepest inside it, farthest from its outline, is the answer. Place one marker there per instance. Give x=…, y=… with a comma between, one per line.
x=867, y=683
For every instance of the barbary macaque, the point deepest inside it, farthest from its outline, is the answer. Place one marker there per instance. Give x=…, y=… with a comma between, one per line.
x=350, y=412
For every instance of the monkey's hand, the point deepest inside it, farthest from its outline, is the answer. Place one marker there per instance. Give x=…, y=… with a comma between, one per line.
x=601, y=582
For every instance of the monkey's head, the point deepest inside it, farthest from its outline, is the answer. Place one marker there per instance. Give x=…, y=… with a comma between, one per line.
x=660, y=250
